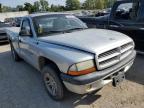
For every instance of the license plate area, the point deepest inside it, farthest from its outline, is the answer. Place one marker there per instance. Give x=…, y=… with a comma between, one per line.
x=117, y=79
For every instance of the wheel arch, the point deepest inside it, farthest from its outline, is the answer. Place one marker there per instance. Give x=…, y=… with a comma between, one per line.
x=43, y=61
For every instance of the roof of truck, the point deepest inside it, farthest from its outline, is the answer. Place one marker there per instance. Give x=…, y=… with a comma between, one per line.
x=47, y=13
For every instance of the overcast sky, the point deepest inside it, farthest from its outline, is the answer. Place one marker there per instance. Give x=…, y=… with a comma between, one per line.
x=14, y=3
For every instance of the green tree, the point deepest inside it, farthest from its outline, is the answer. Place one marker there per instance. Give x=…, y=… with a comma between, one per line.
x=28, y=7
x=90, y=4
x=7, y=9
x=109, y=3
x=19, y=8
x=36, y=6
x=100, y=4
x=72, y=4
x=57, y=8
x=44, y=5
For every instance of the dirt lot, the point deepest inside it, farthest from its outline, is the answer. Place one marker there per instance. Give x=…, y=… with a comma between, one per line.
x=21, y=86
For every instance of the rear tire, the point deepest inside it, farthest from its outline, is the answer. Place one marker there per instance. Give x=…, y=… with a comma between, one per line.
x=53, y=83
x=14, y=54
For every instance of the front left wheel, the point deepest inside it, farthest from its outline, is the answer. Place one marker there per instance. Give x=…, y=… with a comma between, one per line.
x=53, y=83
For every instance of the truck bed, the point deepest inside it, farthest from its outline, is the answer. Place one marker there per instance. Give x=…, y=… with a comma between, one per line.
x=12, y=31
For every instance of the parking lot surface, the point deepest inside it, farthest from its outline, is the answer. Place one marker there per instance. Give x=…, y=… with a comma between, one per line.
x=21, y=86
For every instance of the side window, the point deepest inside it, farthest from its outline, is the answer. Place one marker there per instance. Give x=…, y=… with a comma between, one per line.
x=124, y=11
x=26, y=29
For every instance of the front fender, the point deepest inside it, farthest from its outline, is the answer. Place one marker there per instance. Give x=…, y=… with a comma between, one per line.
x=63, y=57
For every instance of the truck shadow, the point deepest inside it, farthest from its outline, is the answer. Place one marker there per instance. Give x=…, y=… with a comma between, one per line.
x=136, y=73
x=72, y=100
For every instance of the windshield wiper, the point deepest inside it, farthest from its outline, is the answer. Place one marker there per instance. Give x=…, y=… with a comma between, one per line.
x=54, y=31
x=63, y=31
x=73, y=29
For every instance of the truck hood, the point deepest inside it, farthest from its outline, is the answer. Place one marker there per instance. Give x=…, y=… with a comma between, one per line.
x=91, y=40
x=103, y=18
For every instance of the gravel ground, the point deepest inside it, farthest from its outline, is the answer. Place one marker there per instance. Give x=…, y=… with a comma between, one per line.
x=21, y=86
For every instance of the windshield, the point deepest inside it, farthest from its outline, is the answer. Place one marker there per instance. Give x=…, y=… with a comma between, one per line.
x=47, y=25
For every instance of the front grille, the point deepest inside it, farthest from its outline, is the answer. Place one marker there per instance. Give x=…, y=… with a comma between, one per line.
x=113, y=56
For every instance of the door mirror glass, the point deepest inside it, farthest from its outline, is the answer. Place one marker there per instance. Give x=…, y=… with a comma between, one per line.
x=25, y=30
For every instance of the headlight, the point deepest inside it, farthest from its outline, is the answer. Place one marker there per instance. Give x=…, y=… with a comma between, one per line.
x=82, y=68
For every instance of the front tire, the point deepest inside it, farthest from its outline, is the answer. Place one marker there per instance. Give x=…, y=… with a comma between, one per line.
x=53, y=83
x=14, y=54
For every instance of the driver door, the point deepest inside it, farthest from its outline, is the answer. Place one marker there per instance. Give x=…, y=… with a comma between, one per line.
x=27, y=43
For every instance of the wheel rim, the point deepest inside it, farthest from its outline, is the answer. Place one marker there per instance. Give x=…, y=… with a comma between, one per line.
x=50, y=84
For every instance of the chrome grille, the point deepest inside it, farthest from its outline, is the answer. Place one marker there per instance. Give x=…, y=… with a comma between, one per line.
x=113, y=56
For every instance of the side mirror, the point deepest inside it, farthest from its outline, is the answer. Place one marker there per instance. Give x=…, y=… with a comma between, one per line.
x=25, y=32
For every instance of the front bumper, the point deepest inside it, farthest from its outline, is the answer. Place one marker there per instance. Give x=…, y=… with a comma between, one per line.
x=96, y=80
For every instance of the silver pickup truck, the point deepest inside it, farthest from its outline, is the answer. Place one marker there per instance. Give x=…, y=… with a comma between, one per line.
x=69, y=55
